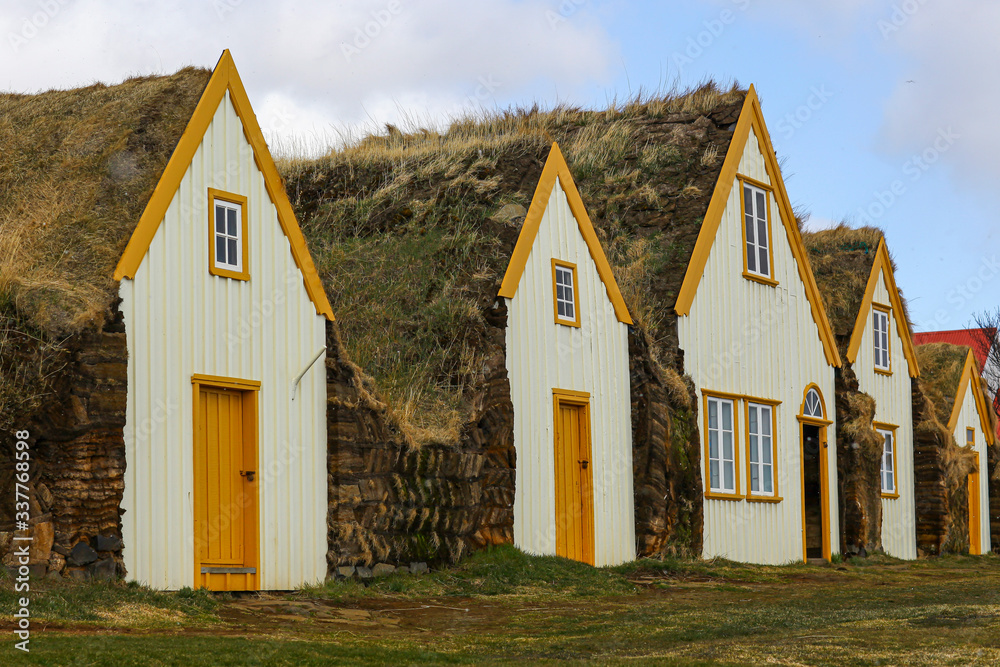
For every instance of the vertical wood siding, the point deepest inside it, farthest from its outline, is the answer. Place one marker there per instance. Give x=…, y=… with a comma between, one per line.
x=893, y=405
x=743, y=337
x=969, y=418
x=542, y=356
x=180, y=321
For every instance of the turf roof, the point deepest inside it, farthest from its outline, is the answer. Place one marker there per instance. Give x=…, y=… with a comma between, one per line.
x=412, y=232
x=941, y=366
x=76, y=170
x=842, y=260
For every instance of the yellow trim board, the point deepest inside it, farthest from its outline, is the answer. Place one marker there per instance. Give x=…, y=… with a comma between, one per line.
x=556, y=168
x=752, y=120
x=882, y=266
x=970, y=376
x=224, y=78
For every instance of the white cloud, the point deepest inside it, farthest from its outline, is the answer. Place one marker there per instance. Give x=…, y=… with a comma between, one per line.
x=313, y=64
x=951, y=51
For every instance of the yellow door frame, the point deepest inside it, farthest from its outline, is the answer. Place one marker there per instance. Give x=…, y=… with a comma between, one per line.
x=824, y=472
x=579, y=399
x=246, y=577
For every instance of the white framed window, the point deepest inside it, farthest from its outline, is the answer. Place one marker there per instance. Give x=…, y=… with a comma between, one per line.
x=760, y=449
x=880, y=336
x=813, y=406
x=228, y=230
x=888, y=461
x=721, y=445
x=227, y=236
x=757, y=237
x=565, y=293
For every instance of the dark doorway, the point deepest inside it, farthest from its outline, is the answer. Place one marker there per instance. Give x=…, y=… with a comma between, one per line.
x=812, y=497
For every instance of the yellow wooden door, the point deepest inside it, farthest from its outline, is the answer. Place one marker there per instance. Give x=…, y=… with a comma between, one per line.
x=225, y=489
x=574, y=483
x=975, y=537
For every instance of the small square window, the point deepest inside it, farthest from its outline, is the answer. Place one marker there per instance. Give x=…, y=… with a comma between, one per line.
x=565, y=293
x=228, y=213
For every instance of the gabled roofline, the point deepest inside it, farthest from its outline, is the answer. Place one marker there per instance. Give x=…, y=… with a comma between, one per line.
x=556, y=168
x=883, y=266
x=752, y=119
x=970, y=375
x=224, y=78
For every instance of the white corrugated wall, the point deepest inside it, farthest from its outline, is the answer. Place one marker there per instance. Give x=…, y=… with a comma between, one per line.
x=969, y=418
x=542, y=355
x=180, y=321
x=730, y=314
x=893, y=405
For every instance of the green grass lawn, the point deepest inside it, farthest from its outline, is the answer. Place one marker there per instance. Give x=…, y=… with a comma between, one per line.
x=503, y=607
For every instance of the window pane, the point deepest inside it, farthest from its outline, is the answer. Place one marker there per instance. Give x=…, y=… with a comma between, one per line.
x=765, y=450
x=761, y=232
x=768, y=475
x=754, y=458
x=713, y=474
x=761, y=212
x=220, y=219
x=570, y=313
x=560, y=294
x=727, y=446
x=713, y=414
x=764, y=259
x=727, y=415
x=751, y=257
x=754, y=479
x=220, y=249
x=729, y=468
x=747, y=201
x=753, y=420
x=231, y=213
x=713, y=444
x=765, y=421
x=233, y=258
x=561, y=305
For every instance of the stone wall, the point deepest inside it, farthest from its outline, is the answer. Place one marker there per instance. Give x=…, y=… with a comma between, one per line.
x=666, y=458
x=991, y=474
x=933, y=500
x=859, y=450
x=393, y=502
x=78, y=461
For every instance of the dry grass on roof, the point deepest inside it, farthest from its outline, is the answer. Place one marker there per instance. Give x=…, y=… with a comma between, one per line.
x=76, y=170
x=842, y=259
x=941, y=367
x=412, y=231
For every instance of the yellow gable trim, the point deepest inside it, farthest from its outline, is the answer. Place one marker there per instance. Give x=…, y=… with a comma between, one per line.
x=970, y=379
x=882, y=268
x=556, y=168
x=224, y=78
x=752, y=120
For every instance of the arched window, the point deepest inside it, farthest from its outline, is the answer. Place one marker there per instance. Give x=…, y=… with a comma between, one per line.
x=813, y=406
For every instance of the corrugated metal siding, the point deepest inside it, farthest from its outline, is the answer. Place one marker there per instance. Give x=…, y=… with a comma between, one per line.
x=180, y=321
x=893, y=405
x=729, y=314
x=969, y=418
x=541, y=356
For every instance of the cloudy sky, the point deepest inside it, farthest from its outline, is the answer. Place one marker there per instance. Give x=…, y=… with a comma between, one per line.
x=883, y=111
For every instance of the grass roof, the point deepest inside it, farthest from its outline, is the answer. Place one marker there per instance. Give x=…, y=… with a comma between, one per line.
x=842, y=260
x=412, y=232
x=76, y=170
x=941, y=367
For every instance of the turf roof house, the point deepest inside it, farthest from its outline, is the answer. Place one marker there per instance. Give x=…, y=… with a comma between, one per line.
x=952, y=377
x=198, y=411
x=567, y=346
x=759, y=348
x=857, y=278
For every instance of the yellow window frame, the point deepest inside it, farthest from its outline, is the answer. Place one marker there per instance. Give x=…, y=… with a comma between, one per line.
x=759, y=497
x=735, y=399
x=241, y=201
x=575, y=322
x=892, y=428
x=768, y=195
x=887, y=311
